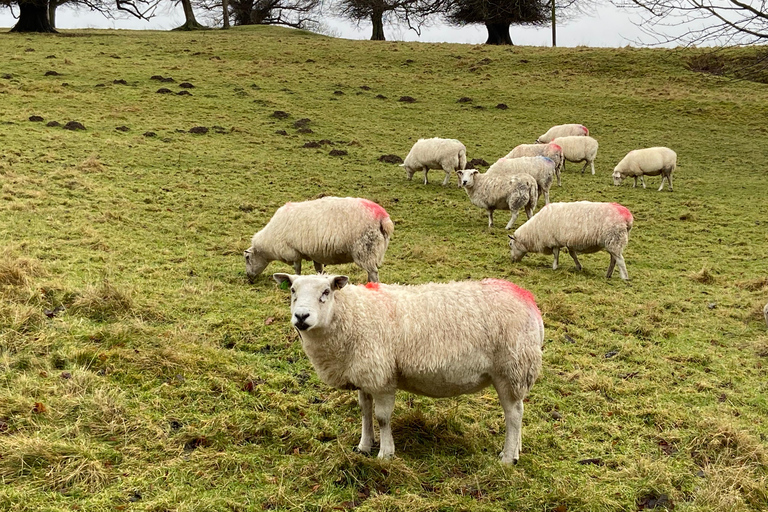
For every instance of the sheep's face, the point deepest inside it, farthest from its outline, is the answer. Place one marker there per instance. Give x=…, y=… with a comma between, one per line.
x=254, y=264
x=467, y=177
x=616, y=177
x=517, y=249
x=311, y=298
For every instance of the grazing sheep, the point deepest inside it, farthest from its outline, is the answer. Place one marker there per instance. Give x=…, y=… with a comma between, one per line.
x=646, y=162
x=563, y=130
x=551, y=151
x=541, y=168
x=328, y=231
x=437, y=339
x=500, y=192
x=579, y=149
x=581, y=227
x=446, y=154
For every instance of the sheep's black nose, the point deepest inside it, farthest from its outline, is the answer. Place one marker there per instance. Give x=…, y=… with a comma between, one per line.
x=300, y=317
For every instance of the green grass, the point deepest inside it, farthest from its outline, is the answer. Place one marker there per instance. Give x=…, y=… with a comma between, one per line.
x=170, y=383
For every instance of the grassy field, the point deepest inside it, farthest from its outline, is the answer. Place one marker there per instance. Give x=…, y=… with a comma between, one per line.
x=141, y=371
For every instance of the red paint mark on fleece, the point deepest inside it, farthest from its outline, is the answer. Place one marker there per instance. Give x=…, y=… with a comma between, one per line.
x=623, y=211
x=586, y=130
x=377, y=211
x=372, y=286
x=556, y=147
x=512, y=288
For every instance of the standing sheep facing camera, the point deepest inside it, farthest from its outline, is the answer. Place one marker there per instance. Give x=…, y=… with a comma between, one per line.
x=446, y=154
x=327, y=231
x=563, y=130
x=551, y=151
x=579, y=149
x=500, y=192
x=646, y=162
x=541, y=168
x=438, y=340
x=581, y=227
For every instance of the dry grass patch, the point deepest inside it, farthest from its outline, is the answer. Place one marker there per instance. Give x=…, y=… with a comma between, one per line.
x=104, y=301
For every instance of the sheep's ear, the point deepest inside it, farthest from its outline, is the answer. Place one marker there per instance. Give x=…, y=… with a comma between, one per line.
x=340, y=282
x=283, y=280
x=475, y=171
x=511, y=237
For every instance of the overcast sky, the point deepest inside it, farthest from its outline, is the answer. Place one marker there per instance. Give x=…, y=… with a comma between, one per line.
x=607, y=26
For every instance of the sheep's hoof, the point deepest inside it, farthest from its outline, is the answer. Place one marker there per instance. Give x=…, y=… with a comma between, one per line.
x=361, y=451
x=386, y=456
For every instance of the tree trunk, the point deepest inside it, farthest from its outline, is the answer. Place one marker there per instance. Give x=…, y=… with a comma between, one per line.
x=52, y=4
x=189, y=15
x=377, y=19
x=225, y=17
x=498, y=33
x=33, y=17
x=554, y=26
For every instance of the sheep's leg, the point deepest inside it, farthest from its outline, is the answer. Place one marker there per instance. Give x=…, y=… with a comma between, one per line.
x=546, y=196
x=513, y=417
x=297, y=267
x=512, y=220
x=635, y=185
x=663, y=177
x=622, y=266
x=318, y=267
x=592, y=163
x=448, y=172
x=610, y=267
x=556, y=253
x=384, y=405
x=584, y=167
x=669, y=179
x=426, y=170
x=642, y=180
x=575, y=259
x=558, y=170
x=366, y=405
x=490, y=218
x=529, y=208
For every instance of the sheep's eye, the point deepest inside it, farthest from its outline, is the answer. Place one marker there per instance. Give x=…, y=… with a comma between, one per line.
x=324, y=295
x=293, y=290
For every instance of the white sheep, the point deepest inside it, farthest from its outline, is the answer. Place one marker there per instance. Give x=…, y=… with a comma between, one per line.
x=551, y=151
x=646, y=162
x=435, y=153
x=437, y=339
x=327, y=231
x=500, y=192
x=563, y=130
x=579, y=149
x=765, y=314
x=581, y=227
x=541, y=168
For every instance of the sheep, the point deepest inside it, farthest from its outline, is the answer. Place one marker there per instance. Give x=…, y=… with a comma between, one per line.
x=435, y=153
x=541, y=168
x=578, y=149
x=765, y=314
x=646, y=162
x=563, y=130
x=582, y=227
x=551, y=151
x=437, y=339
x=328, y=231
x=500, y=192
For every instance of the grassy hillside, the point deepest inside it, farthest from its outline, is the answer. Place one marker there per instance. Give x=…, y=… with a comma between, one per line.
x=170, y=383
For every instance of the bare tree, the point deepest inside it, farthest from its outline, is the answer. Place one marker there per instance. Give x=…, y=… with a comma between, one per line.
x=693, y=22
x=412, y=13
x=498, y=15
x=190, y=22
x=37, y=15
x=291, y=13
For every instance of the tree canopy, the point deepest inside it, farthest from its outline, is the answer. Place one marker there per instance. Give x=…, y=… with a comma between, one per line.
x=498, y=15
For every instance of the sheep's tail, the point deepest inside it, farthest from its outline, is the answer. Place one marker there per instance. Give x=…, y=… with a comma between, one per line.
x=387, y=227
x=463, y=158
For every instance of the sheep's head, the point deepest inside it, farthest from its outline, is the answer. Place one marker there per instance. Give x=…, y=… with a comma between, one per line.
x=517, y=248
x=616, y=177
x=254, y=264
x=466, y=177
x=312, y=298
